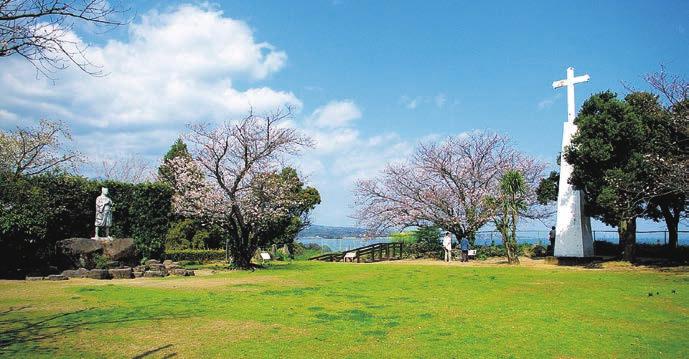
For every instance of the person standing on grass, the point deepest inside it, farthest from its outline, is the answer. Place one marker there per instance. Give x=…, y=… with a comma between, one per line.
x=464, y=246
x=447, y=247
x=551, y=238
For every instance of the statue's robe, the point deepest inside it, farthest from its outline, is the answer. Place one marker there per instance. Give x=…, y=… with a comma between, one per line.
x=103, y=211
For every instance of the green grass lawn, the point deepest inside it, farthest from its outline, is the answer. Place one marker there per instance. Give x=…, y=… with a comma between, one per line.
x=339, y=310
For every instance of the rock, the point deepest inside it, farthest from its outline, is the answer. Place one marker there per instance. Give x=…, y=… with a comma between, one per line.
x=152, y=261
x=155, y=267
x=120, y=249
x=80, y=246
x=284, y=250
x=98, y=274
x=181, y=271
x=75, y=273
x=168, y=262
x=34, y=278
x=121, y=273
x=172, y=266
x=56, y=277
x=190, y=273
x=138, y=274
x=82, y=252
x=154, y=273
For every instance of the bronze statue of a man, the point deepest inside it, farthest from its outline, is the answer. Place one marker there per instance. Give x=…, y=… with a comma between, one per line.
x=103, y=213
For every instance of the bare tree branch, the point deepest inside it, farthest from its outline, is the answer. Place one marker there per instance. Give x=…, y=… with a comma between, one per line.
x=42, y=31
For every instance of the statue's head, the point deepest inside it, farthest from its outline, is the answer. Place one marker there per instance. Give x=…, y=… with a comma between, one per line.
x=104, y=191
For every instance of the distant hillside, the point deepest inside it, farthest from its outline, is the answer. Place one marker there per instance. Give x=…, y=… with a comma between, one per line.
x=316, y=230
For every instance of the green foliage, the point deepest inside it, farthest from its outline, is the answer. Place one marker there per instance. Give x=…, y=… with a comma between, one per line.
x=524, y=249
x=101, y=262
x=508, y=206
x=608, y=151
x=306, y=198
x=406, y=237
x=149, y=210
x=179, y=235
x=38, y=211
x=196, y=255
x=178, y=149
x=548, y=187
x=614, y=154
x=427, y=243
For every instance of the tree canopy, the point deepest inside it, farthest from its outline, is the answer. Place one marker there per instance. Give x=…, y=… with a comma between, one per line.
x=608, y=154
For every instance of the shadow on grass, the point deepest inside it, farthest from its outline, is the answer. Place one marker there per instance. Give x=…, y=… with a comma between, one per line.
x=154, y=351
x=27, y=334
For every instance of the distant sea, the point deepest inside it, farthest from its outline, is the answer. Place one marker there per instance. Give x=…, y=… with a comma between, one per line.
x=490, y=237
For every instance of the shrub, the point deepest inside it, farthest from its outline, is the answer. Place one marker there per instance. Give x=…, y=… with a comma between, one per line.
x=149, y=212
x=195, y=255
x=38, y=211
x=427, y=243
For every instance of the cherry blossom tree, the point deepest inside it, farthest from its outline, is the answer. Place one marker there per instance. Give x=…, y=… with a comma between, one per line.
x=446, y=184
x=233, y=180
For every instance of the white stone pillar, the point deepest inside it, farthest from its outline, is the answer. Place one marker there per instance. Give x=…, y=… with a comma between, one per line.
x=573, y=229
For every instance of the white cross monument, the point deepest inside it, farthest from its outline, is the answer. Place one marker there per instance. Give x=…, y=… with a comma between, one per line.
x=573, y=229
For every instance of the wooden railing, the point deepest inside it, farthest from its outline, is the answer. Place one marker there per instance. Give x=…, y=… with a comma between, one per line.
x=371, y=253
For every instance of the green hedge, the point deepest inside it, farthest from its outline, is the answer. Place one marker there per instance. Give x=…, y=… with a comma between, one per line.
x=38, y=211
x=196, y=255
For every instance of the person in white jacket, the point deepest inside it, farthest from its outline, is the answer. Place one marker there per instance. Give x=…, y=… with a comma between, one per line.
x=447, y=247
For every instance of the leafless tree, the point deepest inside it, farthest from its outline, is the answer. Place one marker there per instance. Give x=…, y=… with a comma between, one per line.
x=34, y=150
x=446, y=184
x=673, y=88
x=42, y=31
x=674, y=165
x=132, y=169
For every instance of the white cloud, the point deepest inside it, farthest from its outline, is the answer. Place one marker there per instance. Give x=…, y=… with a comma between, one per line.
x=335, y=114
x=348, y=156
x=412, y=103
x=175, y=67
x=8, y=118
x=548, y=102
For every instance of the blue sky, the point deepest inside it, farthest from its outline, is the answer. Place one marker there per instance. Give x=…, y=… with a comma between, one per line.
x=369, y=79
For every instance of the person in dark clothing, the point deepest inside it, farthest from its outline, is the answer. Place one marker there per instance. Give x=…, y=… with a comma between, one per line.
x=464, y=246
x=551, y=238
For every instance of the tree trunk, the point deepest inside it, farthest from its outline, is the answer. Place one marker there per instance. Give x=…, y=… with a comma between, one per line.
x=627, y=233
x=241, y=257
x=510, y=248
x=672, y=223
x=512, y=254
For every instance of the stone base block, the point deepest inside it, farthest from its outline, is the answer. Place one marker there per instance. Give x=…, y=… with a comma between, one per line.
x=75, y=273
x=121, y=273
x=56, y=277
x=98, y=274
x=154, y=273
x=182, y=272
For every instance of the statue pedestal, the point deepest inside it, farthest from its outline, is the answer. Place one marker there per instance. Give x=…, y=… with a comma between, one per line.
x=82, y=252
